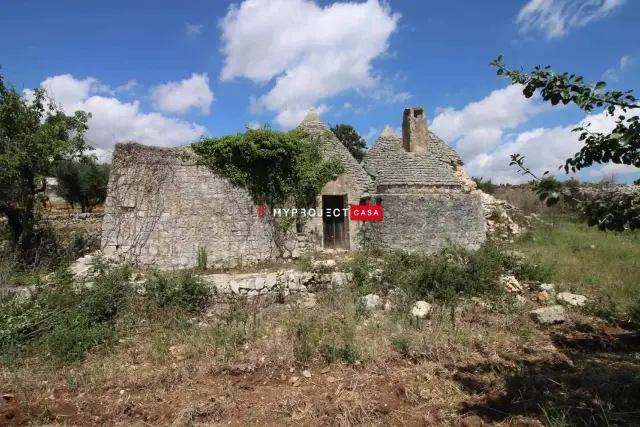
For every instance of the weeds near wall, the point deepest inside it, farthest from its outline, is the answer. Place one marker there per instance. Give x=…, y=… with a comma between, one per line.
x=201, y=261
x=181, y=290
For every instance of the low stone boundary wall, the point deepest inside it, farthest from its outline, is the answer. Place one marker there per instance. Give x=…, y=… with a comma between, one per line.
x=229, y=286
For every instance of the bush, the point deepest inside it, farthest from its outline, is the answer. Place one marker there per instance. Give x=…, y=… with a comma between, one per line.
x=447, y=276
x=360, y=268
x=63, y=319
x=525, y=269
x=182, y=290
x=485, y=186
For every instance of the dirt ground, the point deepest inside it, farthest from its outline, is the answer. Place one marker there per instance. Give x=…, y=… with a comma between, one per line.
x=491, y=369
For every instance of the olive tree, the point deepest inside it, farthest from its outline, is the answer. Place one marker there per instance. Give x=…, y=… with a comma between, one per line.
x=35, y=136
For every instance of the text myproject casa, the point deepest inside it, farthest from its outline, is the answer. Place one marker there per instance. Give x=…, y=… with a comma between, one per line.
x=328, y=212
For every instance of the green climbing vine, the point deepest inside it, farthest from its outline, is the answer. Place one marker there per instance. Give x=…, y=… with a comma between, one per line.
x=278, y=169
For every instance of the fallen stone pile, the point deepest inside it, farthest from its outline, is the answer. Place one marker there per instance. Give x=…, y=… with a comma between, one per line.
x=499, y=216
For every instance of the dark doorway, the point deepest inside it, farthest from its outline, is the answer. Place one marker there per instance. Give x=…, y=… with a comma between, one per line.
x=333, y=221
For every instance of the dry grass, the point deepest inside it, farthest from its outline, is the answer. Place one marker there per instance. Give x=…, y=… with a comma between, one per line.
x=237, y=369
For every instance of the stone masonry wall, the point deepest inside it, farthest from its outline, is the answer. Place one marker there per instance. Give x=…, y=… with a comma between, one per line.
x=427, y=222
x=161, y=208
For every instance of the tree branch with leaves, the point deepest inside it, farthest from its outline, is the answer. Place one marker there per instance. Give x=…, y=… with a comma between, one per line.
x=615, y=210
x=35, y=136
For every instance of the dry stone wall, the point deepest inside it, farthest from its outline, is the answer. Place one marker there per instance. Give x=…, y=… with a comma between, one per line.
x=161, y=208
x=429, y=221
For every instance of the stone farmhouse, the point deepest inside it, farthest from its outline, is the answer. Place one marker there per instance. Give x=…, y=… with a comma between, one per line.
x=162, y=208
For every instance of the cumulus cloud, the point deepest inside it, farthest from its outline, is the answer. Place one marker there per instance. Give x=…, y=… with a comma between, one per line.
x=180, y=97
x=555, y=18
x=481, y=125
x=313, y=53
x=116, y=121
x=480, y=134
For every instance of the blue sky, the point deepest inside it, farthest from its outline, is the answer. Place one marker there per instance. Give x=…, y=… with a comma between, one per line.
x=167, y=73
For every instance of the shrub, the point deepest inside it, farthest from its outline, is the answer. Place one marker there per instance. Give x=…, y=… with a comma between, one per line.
x=401, y=345
x=360, y=268
x=525, y=269
x=63, y=319
x=181, y=290
x=485, y=186
x=448, y=275
x=343, y=348
x=305, y=340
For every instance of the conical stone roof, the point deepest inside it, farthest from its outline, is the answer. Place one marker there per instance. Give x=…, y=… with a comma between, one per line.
x=389, y=164
x=387, y=145
x=331, y=146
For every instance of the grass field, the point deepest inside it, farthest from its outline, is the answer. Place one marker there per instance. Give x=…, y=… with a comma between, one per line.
x=605, y=266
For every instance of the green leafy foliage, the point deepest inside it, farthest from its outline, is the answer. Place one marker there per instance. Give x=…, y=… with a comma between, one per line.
x=182, y=290
x=485, y=186
x=65, y=320
x=353, y=142
x=447, y=276
x=82, y=182
x=35, y=136
x=277, y=168
x=616, y=211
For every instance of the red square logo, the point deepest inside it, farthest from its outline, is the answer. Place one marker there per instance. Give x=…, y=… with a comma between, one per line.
x=365, y=212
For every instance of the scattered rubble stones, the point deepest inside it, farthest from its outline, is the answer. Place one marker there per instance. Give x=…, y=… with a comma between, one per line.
x=372, y=302
x=548, y=287
x=572, y=299
x=324, y=265
x=542, y=296
x=421, y=309
x=511, y=284
x=548, y=315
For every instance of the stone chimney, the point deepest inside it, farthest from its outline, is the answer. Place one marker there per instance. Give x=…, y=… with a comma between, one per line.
x=414, y=130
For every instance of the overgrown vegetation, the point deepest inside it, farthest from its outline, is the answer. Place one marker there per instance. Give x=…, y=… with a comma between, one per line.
x=65, y=319
x=279, y=169
x=82, y=182
x=447, y=276
x=182, y=290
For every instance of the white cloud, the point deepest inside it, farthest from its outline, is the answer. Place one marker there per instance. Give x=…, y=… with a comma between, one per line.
x=128, y=86
x=370, y=134
x=481, y=134
x=480, y=125
x=613, y=169
x=193, y=30
x=253, y=125
x=313, y=53
x=555, y=18
x=116, y=121
x=613, y=73
x=180, y=97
